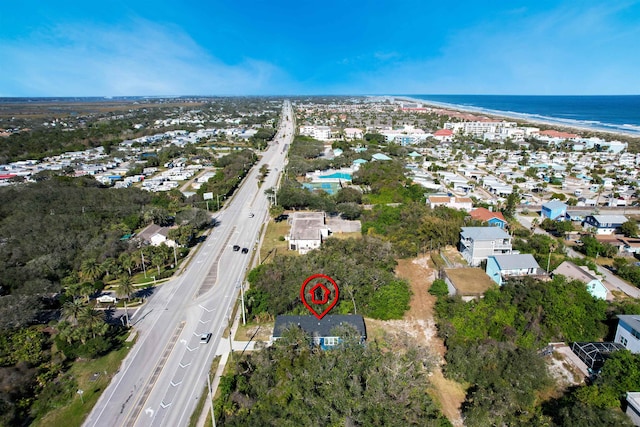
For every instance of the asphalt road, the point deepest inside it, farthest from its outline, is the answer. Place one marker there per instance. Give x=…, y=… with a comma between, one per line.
x=164, y=374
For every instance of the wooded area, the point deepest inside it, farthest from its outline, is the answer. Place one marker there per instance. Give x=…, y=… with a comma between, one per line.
x=493, y=345
x=362, y=268
x=293, y=384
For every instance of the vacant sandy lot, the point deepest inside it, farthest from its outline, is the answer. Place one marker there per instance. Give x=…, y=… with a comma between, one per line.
x=419, y=324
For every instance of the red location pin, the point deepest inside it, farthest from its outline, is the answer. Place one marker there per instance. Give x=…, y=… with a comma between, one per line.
x=319, y=293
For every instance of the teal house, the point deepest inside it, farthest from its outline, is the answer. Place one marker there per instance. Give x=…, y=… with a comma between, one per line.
x=582, y=273
x=554, y=210
x=502, y=267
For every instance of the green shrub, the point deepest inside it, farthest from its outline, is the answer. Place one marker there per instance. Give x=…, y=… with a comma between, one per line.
x=439, y=288
x=390, y=301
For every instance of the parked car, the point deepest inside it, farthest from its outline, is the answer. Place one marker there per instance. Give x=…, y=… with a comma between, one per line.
x=281, y=217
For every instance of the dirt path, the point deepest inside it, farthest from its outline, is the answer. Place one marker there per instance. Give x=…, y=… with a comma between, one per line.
x=419, y=323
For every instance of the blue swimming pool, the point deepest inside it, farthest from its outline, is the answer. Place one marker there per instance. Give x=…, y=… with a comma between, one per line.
x=337, y=175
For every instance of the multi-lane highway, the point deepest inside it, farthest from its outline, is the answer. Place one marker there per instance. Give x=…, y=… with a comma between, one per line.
x=163, y=376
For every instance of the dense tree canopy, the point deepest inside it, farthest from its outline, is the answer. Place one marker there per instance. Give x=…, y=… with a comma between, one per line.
x=232, y=168
x=414, y=227
x=386, y=182
x=492, y=344
x=292, y=384
x=362, y=268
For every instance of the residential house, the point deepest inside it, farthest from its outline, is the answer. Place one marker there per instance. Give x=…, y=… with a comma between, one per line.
x=633, y=407
x=628, y=332
x=582, y=273
x=494, y=219
x=468, y=282
x=308, y=230
x=463, y=203
x=156, y=235
x=604, y=224
x=321, y=133
x=502, y=267
x=353, y=133
x=478, y=243
x=630, y=245
x=324, y=332
x=443, y=135
x=554, y=210
x=380, y=157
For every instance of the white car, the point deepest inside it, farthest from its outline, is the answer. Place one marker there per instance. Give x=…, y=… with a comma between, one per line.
x=204, y=338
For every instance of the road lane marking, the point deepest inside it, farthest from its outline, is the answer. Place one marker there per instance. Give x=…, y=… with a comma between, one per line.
x=205, y=308
x=212, y=275
x=134, y=413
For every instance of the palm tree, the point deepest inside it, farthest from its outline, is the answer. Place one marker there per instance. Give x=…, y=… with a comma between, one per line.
x=126, y=261
x=158, y=259
x=108, y=266
x=86, y=289
x=91, y=269
x=72, y=309
x=534, y=223
x=125, y=287
x=91, y=319
x=73, y=290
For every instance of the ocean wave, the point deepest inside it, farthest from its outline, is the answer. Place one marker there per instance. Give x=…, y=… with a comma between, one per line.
x=588, y=124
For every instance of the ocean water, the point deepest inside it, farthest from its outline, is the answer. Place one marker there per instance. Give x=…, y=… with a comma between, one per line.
x=615, y=113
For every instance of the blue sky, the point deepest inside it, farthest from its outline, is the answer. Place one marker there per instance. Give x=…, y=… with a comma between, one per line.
x=253, y=47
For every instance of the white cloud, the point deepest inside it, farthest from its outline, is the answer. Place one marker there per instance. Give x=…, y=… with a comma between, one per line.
x=568, y=50
x=142, y=58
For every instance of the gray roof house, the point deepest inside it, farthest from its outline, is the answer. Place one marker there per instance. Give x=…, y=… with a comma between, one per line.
x=582, y=273
x=308, y=230
x=502, y=267
x=478, y=243
x=604, y=224
x=323, y=331
x=628, y=332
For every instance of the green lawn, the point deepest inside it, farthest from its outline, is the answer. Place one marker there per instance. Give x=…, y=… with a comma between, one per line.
x=93, y=376
x=273, y=242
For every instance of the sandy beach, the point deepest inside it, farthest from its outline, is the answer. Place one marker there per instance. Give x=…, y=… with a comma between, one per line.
x=558, y=124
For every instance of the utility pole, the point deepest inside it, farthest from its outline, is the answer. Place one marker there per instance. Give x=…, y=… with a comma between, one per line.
x=230, y=342
x=175, y=256
x=244, y=320
x=213, y=415
x=218, y=200
x=143, y=266
x=126, y=313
